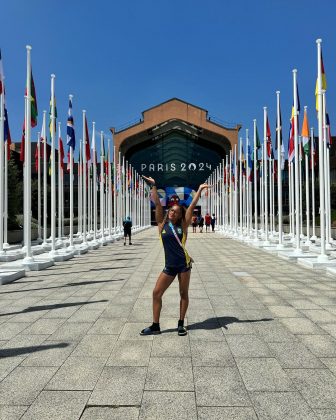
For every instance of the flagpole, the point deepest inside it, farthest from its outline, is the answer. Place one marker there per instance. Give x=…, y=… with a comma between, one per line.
x=114, y=192
x=27, y=164
x=45, y=202
x=296, y=168
x=270, y=195
x=235, y=196
x=101, y=220
x=278, y=132
x=308, y=242
x=79, y=189
x=94, y=182
x=255, y=160
x=38, y=145
x=312, y=146
x=262, y=204
x=300, y=186
x=59, y=186
x=266, y=242
x=109, y=189
x=322, y=257
x=247, y=185
x=2, y=144
x=326, y=172
x=6, y=244
x=292, y=202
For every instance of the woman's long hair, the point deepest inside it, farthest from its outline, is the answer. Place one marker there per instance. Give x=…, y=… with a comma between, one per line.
x=182, y=218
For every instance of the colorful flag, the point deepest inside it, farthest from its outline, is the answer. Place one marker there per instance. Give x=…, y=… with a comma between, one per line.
x=268, y=140
x=305, y=134
x=71, y=139
x=2, y=87
x=34, y=113
x=324, y=82
x=278, y=127
x=61, y=153
x=7, y=136
x=50, y=119
x=329, y=140
x=282, y=154
x=87, y=144
x=291, y=141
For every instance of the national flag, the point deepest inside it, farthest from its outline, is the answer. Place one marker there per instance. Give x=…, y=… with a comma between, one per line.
x=324, y=82
x=49, y=164
x=61, y=153
x=33, y=118
x=305, y=134
x=71, y=138
x=2, y=87
x=7, y=135
x=278, y=127
x=282, y=154
x=249, y=163
x=87, y=144
x=50, y=116
x=258, y=145
x=291, y=141
x=329, y=141
x=268, y=140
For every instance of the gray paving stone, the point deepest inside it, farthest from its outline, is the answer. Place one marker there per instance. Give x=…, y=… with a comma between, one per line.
x=11, y=329
x=219, y=386
x=119, y=386
x=71, y=331
x=301, y=326
x=49, y=353
x=170, y=346
x=264, y=374
x=110, y=413
x=328, y=414
x=44, y=326
x=211, y=353
x=168, y=406
x=130, y=353
x=317, y=386
x=319, y=315
x=248, y=346
x=227, y=413
x=12, y=412
x=107, y=326
x=293, y=354
x=320, y=345
x=23, y=385
x=169, y=374
x=58, y=405
x=281, y=405
x=95, y=345
x=77, y=373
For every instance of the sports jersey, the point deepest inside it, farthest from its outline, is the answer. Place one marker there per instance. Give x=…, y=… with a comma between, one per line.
x=175, y=255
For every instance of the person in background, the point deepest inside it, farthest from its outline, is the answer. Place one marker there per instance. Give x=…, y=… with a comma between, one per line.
x=213, y=222
x=201, y=223
x=207, y=222
x=194, y=223
x=127, y=224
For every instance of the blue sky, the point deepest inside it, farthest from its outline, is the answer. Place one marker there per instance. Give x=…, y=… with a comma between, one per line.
x=119, y=58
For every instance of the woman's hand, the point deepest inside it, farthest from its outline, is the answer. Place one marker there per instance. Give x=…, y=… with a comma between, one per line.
x=204, y=186
x=149, y=179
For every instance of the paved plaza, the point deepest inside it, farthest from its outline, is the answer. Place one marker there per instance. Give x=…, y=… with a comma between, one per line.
x=261, y=342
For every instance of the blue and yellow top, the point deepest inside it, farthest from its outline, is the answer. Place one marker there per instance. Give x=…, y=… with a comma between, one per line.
x=175, y=255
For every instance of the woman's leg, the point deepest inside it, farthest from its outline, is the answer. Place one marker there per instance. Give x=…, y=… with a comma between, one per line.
x=162, y=284
x=184, y=280
x=129, y=238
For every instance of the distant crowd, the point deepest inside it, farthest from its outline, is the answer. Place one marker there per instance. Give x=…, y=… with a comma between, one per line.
x=200, y=221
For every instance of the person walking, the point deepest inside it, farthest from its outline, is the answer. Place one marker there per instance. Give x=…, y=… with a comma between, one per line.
x=173, y=229
x=201, y=223
x=127, y=224
x=194, y=223
x=207, y=222
x=213, y=222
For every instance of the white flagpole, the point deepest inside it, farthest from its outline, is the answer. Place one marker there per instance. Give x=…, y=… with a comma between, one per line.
x=262, y=204
x=59, y=186
x=45, y=180
x=39, y=187
x=2, y=131
x=323, y=256
x=255, y=162
x=27, y=165
x=84, y=180
x=300, y=186
x=102, y=222
x=292, y=201
x=247, y=186
x=296, y=168
x=89, y=198
x=71, y=175
x=314, y=237
x=308, y=242
x=114, y=192
x=278, y=132
x=94, y=182
x=230, y=190
x=270, y=196
x=80, y=189
x=266, y=242
x=235, y=196
x=240, y=188
x=109, y=189
x=53, y=170
x=6, y=244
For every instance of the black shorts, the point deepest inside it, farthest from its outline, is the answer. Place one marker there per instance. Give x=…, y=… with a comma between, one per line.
x=173, y=271
x=127, y=233
x=194, y=224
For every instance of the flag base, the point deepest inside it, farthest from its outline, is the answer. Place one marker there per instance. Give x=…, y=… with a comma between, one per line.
x=10, y=275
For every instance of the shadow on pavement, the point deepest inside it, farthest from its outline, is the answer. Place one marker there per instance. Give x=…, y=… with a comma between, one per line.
x=13, y=352
x=54, y=306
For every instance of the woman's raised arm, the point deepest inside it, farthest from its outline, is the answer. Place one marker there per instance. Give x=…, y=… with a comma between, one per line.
x=156, y=199
x=190, y=209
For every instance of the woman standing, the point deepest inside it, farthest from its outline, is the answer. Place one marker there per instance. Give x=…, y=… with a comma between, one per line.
x=173, y=229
